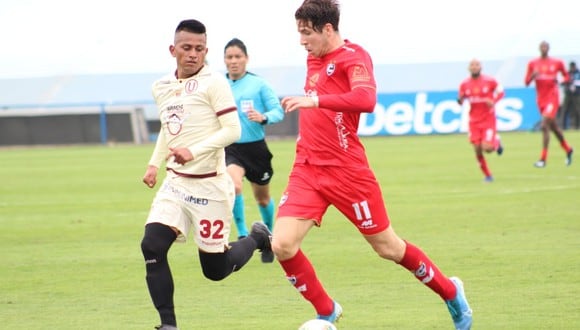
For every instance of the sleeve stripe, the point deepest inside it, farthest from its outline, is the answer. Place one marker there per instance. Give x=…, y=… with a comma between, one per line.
x=223, y=112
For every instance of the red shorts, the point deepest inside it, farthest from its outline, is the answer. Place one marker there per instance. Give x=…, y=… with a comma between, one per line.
x=483, y=132
x=355, y=192
x=549, y=108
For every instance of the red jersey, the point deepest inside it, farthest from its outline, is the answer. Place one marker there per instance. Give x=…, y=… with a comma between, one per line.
x=345, y=85
x=478, y=91
x=546, y=78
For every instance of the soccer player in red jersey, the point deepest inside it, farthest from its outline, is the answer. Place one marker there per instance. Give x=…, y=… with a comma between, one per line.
x=331, y=167
x=544, y=71
x=482, y=92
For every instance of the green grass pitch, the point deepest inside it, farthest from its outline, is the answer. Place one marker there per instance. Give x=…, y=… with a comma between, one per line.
x=71, y=220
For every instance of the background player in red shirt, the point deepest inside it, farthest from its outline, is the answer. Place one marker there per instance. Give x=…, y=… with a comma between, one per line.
x=331, y=167
x=544, y=70
x=482, y=92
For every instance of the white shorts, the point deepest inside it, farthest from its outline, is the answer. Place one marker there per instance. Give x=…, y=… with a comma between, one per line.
x=204, y=203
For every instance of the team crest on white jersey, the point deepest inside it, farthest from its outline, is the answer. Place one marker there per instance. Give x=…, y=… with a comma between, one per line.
x=190, y=86
x=330, y=69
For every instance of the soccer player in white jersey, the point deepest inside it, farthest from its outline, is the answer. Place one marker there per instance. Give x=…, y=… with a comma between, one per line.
x=198, y=120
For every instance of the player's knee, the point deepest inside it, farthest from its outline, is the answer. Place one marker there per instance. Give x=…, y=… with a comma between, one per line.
x=283, y=249
x=150, y=248
x=156, y=241
x=214, y=265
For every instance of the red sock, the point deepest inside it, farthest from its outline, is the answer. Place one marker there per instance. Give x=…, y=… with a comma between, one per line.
x=483, y=165
x=427, y=272
x=544, y=154
x=302, y=276
x=565, y=145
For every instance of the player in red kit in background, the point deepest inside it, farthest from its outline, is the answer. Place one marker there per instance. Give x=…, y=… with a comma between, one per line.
x=482, y=92
x=331, y=167
x=544, y=70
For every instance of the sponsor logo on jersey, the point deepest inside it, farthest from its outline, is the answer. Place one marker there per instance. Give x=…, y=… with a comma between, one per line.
x=183, y=196
x=174, y=124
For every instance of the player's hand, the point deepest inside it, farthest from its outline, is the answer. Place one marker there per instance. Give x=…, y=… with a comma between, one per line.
x=291, y=103
x=180, y=155
x=150, y=177
x=534, y=75
x=489, y=102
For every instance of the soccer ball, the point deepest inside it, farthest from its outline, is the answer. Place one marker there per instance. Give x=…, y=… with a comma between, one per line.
x=317, y=324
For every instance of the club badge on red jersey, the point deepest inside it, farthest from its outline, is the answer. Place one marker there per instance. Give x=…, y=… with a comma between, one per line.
x=330, y=69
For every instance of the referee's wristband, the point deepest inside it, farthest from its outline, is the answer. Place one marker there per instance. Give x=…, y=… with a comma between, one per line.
x=265, y=120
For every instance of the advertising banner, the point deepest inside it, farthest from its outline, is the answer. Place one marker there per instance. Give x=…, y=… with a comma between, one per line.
x=439, y=113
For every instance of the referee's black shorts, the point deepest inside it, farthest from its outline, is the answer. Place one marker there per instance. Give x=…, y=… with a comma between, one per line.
x=254, y=157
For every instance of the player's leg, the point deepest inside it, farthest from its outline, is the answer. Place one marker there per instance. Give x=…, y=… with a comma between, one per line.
x=363, y=205
x=547, y=111
x=237, y=172
x=212, y=226
x=165, y=224
x=218, y=265
x=301, y=199
x=155, y=244
x=288, y=235
x=553, y=125
x=478, y=136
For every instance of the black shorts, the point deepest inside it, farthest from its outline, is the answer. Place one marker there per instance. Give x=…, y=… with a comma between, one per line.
x=254, y=157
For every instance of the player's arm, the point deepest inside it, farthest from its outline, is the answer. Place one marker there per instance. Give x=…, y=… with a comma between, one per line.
x=362, y=96
x=222, y=100
x=564, y=72
x=498, y=93
x=359, y=99
x=461, y=94
x=229, y=133
x=159, y=154
x=530, y=74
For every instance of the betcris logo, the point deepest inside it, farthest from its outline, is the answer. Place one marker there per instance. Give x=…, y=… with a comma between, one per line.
x=439, y=113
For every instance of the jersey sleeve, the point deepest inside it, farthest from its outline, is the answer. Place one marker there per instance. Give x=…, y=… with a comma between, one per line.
x=565, y=75
x=222, y=100
x=362, y=96
x=160, y=152
x=461, y=93
x=498, y=91
x=529, y=73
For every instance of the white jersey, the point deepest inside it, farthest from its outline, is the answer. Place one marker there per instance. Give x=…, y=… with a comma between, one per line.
x=198, y=113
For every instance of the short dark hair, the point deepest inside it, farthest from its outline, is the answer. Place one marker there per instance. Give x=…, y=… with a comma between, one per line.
x=191, y=25
x=235, y=42
x=572, y=63
x=319, y=13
